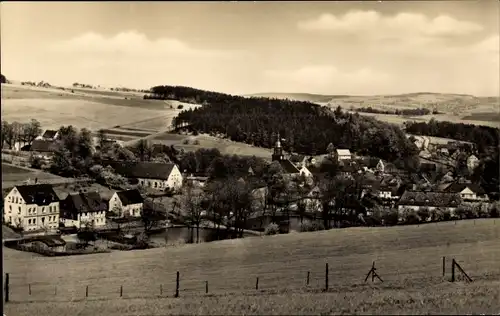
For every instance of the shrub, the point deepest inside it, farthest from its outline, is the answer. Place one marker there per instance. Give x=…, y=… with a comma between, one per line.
x=311, y=226
x=390, y=218
x=185, y=142
x=494, y=211
x=272, y=229
x=424, y=214
x=180, y=106
x=196, y=142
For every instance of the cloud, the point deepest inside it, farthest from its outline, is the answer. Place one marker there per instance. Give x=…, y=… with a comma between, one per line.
x=134, y=44
x=401, y=25
x=327, y=79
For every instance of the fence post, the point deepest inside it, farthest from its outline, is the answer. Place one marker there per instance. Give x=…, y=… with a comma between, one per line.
x=453, y=270
x=257, y=283
x=326, y=277
x=87, y=291
x=55, y=290
x=161, y=289
x=206, y=287
x=121, y=290
x=177, y=285
x=307, y=282
x=6, y=287
x=29, y=288
x=444, y=266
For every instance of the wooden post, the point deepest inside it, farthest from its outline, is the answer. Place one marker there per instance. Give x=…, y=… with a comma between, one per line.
x=29, y=289
x=55, y=290
x=177, y=285
x=444, y=266
x=307, y=282
x=161, y=289
x=373, y=269
x=6, y=287
x=257, y=283
x=326, y=277
x=206, y=287
x=87, y=291
x=453, y=270
x=121, y=290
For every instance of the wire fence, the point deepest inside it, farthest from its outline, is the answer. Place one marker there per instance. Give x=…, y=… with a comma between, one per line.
x=320, y=279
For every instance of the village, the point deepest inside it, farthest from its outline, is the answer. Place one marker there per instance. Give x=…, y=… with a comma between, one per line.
x=158, y=203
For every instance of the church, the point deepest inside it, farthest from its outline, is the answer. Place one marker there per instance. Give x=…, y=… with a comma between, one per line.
x=288, y=167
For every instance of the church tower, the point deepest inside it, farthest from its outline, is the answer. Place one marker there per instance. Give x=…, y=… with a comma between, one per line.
x=278, y=151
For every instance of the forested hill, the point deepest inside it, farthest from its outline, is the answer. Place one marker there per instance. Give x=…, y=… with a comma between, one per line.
x=306, y=127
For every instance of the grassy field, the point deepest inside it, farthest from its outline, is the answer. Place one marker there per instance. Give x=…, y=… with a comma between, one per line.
x=93, y=109
x=225, y=146
x=14, y=175
x=407, y=258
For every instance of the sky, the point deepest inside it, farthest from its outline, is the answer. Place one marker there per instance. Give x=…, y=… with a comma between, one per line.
x=356, y=48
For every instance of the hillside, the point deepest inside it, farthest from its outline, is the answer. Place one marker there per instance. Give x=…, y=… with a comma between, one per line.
x=407, y=258
x=455, y=107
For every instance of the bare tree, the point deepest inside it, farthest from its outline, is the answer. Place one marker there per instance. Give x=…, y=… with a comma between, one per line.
x=191, y=202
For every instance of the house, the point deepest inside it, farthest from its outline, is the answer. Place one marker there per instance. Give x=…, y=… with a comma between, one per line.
x=83, y=208
x=472, y=162
x=467, y=191
x=49, y=135
x=32, y=207
x=343, y=154
x=129, y=203
x=415, y=200
x=388, y=192
x=43, y=148
x=159, y=176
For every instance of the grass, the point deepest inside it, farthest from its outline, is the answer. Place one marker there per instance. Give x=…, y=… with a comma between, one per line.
x=14, y=175
x=484, y=116
x=407, y=258
x=91, y=109
x=225, y=146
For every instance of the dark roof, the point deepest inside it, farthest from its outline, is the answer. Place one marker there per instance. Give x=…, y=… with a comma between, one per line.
x=49, y=134
x=145, y=170
x=437, y=199
x=288, y=166
x=297, y=158
x=83, y=202
x=40, y=194
x=42, y=145
x=459, y=187
x=130, y=197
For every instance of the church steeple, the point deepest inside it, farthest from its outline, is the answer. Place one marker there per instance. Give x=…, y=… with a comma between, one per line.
x=278, y=150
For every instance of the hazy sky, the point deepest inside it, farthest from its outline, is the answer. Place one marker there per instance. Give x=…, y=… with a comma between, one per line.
x=316, y=47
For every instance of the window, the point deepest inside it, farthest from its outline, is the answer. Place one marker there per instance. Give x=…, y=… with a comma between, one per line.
x=50, y=208
x=29, y=221
x=34, y=220
x=43, y=209
x=19, y=210
x=10, y=208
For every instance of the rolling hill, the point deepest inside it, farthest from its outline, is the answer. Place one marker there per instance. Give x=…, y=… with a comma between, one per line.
x=455, y=107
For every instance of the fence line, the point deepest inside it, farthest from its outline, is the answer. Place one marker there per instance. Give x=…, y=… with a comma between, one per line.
x=202, y=287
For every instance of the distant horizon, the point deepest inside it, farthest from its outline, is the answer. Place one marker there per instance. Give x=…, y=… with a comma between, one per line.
x=341, y=47
x=260, y=93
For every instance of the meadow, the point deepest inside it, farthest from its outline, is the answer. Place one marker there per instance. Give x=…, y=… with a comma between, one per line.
x=225, y=146
x=408, y=259
x=87, y=108
x=14, y=175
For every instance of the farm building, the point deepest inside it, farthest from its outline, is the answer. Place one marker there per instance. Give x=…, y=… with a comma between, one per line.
x=81, y=209
x=289, y=168
x=48, y=135
x=416, y=200
x=129, y=203
x=32, y=207
x=43, y=148
x=158, y=176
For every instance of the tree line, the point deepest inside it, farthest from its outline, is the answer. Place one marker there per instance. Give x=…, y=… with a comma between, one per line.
x=406, y=112
x=306, y=127
x=483, y=136
x=16, y=132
